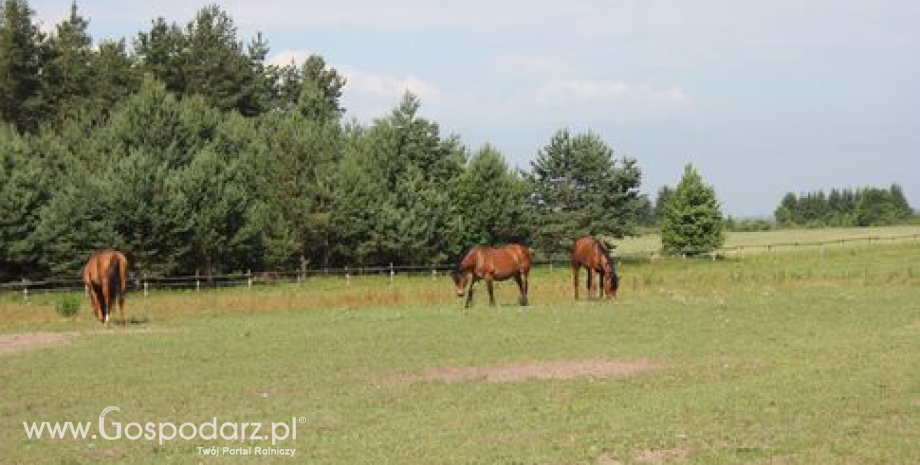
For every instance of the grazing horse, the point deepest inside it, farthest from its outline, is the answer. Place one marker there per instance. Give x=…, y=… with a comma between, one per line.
x=588, y=252
x=105, y=276
x=493, y=264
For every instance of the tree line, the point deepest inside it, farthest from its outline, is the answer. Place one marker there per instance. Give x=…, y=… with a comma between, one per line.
x=192, y=154
x=869, y=206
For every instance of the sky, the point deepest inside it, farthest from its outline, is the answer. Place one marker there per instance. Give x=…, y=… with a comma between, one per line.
x=763, y=97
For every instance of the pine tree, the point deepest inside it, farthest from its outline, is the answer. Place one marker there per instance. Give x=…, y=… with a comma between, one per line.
x=902, y=209
x=215, y=211
x=117, y=76
x=693, y=219
x=788, y=211
x=70, y=75
x=321, y=91
x=23, y=54
x=661, y=202
x=492, y=202
x=291, y=166
x=161, y=54
x=580, y=188
x=412, y=172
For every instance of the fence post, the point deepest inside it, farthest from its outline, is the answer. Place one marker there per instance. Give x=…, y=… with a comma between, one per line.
x=25, y=290
x=303, y=269
x=197, y=282
x=392, y=273
x=347, y=277
x=249, y=279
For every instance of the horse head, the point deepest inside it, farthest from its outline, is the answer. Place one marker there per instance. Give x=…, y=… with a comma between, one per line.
x=611, y=280
x=460, y=279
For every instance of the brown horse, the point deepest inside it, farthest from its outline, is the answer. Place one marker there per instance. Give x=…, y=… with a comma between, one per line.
x=493, y=264
x=588, y=252
x=105, y=276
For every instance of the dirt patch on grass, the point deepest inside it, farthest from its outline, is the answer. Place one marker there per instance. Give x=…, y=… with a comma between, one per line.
x=121, y=331
x=563, y=369
x=11, y=343
x=662, y=456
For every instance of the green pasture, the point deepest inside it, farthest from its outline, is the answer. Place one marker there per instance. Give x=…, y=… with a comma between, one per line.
x=802, y=357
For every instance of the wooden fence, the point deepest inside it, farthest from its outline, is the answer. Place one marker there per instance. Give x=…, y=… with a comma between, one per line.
x=146, y=284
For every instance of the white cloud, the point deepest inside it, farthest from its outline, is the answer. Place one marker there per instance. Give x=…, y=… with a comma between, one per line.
x=368, y=96
x=557, y=91
x=388, y=87
x=286, y=57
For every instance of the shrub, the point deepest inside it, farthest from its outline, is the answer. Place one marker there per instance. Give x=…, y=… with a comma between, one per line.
x=68, y=306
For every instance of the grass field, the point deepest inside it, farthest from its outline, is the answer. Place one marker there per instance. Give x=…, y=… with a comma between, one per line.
x=800, y=357
x=756, y=241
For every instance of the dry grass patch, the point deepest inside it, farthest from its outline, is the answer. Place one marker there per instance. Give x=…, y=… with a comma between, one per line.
x=511, y=372
x=11, y=343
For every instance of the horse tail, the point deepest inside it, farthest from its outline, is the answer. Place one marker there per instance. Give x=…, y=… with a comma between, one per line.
x=114, y=277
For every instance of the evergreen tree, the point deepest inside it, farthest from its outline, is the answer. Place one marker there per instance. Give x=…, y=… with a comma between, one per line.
x=579, y=188
x=414, y=171
x=902, y=209
x=161, y=54
x=693, y=220
x=788, y=211
x=360, y=197
x=23, y=54
x=321, y=91
x=492, y=202
x=215, y=212
x=117, y=76
x=69, y=73
x=286, y=84
x=291, y=166
x=661, y=202
x=875, y=208
x=20, y=199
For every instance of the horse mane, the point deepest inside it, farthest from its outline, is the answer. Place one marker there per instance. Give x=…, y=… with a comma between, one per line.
x=606, y=252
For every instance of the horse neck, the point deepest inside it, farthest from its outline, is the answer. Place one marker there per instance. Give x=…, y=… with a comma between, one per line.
x=472, y=260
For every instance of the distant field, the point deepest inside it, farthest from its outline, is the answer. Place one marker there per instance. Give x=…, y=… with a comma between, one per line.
x=799, y=357
x=758, y=239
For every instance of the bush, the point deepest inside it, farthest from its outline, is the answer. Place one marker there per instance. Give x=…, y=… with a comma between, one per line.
x=68, y=306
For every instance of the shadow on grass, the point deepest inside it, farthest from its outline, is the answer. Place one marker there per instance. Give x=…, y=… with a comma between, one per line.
x=133, y=321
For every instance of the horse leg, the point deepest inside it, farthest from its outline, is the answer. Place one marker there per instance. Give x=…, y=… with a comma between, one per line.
x=469, y=293
x=590, y=282
x=491, y=292
x=94, y=298
x=519, y=278
x=106, y=301
x=600, y=285
x=121, y=293
x=526, y=277
x=575, y=269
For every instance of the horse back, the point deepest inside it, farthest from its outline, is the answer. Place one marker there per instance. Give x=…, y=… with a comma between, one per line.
x=110, y=266
x=521, y=256
x=588, y=252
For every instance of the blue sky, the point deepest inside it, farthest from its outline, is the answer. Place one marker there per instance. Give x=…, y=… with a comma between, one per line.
x=764, y=97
